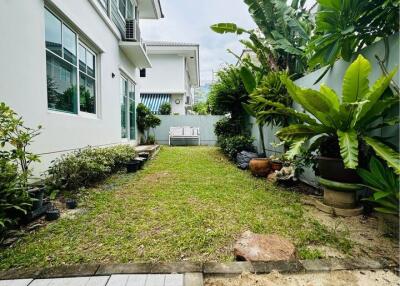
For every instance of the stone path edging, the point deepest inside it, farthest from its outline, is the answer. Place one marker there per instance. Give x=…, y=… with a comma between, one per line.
x=208, y=268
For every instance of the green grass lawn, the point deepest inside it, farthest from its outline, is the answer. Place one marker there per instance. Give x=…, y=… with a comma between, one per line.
x=190, y=203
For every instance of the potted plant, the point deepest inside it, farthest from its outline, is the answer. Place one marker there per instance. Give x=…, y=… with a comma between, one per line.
x=346, y=124
x=384, y=184
x=133, y=166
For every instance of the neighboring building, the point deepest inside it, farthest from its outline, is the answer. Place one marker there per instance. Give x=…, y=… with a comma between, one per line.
x=174, y=74
x=49, y=48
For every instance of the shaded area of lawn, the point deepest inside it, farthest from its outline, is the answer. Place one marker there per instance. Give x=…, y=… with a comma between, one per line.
x=190, y=203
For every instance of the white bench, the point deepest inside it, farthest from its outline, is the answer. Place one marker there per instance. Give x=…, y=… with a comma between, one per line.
x=185, y=132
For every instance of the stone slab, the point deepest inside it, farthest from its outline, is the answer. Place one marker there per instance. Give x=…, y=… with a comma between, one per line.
x=227, y=268
x=19, y=282
x=134, y=268
x=176, y=267
x=193, y=279
x=69, y=271
x=280, y=266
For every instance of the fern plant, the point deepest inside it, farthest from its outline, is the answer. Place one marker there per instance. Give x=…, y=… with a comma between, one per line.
x=349, y=121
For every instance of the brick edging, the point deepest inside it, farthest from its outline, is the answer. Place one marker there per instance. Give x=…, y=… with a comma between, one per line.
x=208, y=268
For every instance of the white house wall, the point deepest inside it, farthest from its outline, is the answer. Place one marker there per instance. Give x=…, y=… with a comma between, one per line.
x=23, y=83
x=178, y=108
x=167, y=75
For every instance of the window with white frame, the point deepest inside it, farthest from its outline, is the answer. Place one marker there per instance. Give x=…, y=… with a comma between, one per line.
x=70, y=64
x=128, y=109
x=127, y=9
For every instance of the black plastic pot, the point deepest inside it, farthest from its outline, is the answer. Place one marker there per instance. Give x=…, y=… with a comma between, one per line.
x=333, y=169
x=144, y=155
x=71, y=204
x=133, y=166
x=52, y=214
x=37, y=194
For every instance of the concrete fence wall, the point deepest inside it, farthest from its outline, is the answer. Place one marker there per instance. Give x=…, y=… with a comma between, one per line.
x=334, y=79
x=204, y=122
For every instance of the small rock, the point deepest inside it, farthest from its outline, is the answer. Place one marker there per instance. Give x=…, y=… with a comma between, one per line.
x=257, y=247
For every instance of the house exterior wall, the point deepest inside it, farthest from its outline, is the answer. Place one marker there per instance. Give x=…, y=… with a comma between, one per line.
x=167, y=75
x=23, y=83
x=175, y=107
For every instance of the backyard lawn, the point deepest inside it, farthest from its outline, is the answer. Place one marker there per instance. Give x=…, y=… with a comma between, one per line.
x=189, y=203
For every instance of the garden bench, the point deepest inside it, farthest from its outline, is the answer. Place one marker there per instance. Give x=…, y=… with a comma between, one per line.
x=185, y=132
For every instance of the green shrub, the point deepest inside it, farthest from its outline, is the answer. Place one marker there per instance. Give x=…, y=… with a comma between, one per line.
x=87, y=167
x=165, y=108
x=145, y=120
x=227, y=127
x=231, y=146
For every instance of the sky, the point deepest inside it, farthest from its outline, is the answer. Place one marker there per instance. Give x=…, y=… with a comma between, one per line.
x=190, y=20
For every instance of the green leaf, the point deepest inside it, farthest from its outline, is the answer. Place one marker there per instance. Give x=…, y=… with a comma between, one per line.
x=296, y=131
x=355, y=81
x=295, y=148
x=385, y=152
x=348, y=142
x=223, y=28
x=386, y=211
x=248, y=78
x=331, y=96
x=249, y=110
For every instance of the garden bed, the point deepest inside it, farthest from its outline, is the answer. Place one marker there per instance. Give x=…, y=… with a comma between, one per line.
x=189, y=204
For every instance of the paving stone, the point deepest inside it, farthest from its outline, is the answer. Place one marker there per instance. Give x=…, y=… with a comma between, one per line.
x=178, y=267
x=280, y=266
x=75, y=281
x=316, y=265
x=19, y=282
x=227, y=268
x=19, y=274
x=127, y=280
x=173, y=280
x=134, y=268
x=193, y=279
x=69, y=271
x=156, y=280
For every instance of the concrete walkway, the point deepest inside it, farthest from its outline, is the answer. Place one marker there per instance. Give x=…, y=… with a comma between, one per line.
x=113, y=280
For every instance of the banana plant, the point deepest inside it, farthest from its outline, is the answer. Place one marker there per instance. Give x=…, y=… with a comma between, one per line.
x=349, y=120
x=345, y=27
x=384, y=184
x=282, y=34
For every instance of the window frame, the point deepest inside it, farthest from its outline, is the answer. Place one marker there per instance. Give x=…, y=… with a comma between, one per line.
x=128, y=82
x=76, y=65
x=124, y=17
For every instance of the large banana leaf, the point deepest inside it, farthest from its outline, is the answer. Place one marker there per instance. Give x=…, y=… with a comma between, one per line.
x=224, y=28
x=296, y=131
x=249, y=79
x=385, y=152
x=348, y=143
x=355, y=81
x=314, y=102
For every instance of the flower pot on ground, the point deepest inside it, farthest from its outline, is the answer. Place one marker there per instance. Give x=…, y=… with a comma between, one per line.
x=276, y=165
x=340, y=195
x=333, y=169
x=71, y=204
x=260, y=167
x=52, y=214
x=133, y=166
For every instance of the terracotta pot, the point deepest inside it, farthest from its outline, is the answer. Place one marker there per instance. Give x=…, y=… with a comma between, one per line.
x=276, y=165
x=333, y=169
x=260, y=167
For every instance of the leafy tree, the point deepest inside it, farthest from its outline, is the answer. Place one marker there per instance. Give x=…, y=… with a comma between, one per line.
x=145, y=120
x=201, y=108
x=165, y=108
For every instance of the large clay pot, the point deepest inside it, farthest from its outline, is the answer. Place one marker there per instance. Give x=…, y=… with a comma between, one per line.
x=276, y=165
x=260, y=167
x=333, y=169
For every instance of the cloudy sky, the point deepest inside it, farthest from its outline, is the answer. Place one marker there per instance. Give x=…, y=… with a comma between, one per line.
x=190, y=21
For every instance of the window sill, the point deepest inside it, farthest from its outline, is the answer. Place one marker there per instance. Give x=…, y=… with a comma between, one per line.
x=83, y=115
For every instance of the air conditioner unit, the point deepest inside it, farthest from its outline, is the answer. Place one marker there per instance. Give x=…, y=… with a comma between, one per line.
x=132, y=31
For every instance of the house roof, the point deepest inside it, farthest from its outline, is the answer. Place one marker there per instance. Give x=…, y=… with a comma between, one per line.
x=190, y=51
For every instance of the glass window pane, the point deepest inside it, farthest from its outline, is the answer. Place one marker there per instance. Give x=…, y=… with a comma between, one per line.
x=132, y=120
x=87, y=94
x=90, y=61
x=122, y=7
x=53, y=33
x=129, y=10
x=124, y=125
x=69, y=45
x=61, y=84
x=82, y=58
